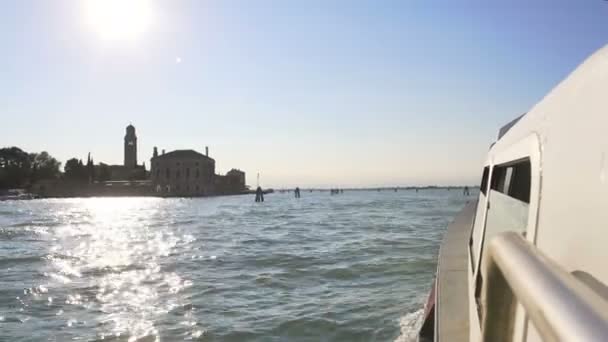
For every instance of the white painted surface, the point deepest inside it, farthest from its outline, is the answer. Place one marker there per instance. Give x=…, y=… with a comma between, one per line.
x=478, y=227
x=566, y=138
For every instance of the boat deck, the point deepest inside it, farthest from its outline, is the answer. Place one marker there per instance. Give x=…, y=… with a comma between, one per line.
x=452, y=315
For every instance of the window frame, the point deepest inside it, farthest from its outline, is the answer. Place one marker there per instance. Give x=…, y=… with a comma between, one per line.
x=528, y=147
x=502, y=154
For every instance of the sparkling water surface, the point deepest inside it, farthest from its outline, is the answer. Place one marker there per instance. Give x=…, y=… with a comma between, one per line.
x=349, y=267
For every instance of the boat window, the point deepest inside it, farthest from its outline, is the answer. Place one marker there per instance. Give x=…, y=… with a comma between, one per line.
x=498, y=179
x=484, y=179
x=521, y=181
x=508, y=208
x=509, y=199
x=513, y=180
x=478, y=221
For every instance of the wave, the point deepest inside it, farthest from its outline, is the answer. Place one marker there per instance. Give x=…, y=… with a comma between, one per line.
x=319, y=269
x=16, y=233
x=16, y=261
x=410, y=325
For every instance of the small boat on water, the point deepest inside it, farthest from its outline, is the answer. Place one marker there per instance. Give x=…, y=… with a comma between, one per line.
x=527, y=260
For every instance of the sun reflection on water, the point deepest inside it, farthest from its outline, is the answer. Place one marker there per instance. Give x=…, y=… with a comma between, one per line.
x=112, y=260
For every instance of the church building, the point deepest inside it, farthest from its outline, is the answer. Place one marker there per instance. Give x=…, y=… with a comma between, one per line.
x=130, y=148
x=130, y=170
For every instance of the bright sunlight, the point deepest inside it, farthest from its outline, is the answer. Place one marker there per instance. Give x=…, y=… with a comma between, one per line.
x=119, y=19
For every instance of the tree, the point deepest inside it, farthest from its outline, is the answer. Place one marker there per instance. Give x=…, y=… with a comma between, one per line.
x=14, y=167
x=90, y=168
x=20, y=169
x=75, y=170
x=44, y=166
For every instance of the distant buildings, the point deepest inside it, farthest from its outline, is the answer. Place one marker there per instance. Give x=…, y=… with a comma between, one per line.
x=129, y=170
x=176, y=173
x=190, y=173
x=182, y=173
x=237, y=175
x=130, y=148
x=233, y=181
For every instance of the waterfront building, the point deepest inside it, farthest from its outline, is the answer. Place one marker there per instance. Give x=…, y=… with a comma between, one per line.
x=182, y=173
x=237, y=175
x=190, y=173
x=231, y=183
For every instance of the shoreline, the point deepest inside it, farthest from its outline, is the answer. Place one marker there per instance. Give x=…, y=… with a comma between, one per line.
x=23, y=195
x=26, y=196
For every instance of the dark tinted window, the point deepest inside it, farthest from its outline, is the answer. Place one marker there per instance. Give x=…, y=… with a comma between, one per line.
x=498, y=178
x=484, y=180
x=520, y=181
x=513, y=180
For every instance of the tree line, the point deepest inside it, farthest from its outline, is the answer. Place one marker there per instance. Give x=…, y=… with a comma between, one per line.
x=20, y=169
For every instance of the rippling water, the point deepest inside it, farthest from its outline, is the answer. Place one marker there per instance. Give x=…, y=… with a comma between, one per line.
x=351, y=267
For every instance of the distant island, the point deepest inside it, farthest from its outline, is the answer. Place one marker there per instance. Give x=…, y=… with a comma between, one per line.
x=180, y=173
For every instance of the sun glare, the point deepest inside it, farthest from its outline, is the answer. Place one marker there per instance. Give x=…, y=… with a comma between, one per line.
x=119, y=19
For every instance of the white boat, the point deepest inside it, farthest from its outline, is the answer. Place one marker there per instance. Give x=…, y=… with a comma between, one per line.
x=528, y=261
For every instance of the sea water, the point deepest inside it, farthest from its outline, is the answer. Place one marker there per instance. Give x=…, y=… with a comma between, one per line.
x=350, y=267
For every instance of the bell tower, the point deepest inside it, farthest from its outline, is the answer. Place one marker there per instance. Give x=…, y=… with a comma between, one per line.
x=130, y=147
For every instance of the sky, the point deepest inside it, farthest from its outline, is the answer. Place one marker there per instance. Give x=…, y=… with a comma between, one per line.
x=310, y=93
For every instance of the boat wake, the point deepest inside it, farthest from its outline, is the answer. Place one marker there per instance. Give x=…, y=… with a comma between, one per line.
x=410, y=325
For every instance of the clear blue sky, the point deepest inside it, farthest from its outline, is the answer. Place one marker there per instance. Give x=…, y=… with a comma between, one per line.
x=321, y=93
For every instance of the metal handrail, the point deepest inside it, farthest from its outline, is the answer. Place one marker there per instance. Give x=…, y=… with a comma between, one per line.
x=560, y=306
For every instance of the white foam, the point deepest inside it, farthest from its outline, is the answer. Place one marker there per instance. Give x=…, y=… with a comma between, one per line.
x=410, y=325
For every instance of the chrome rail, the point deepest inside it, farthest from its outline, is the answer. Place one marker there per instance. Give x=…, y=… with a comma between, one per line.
x=560, y=306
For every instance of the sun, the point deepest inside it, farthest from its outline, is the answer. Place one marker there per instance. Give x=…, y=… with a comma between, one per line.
x=119, y=19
